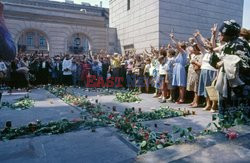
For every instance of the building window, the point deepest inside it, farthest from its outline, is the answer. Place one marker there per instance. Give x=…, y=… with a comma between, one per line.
x=128, y=2
x=29, y=40
x=85, y=45
x=129, y=47
x=77, y=42
x=42, y=41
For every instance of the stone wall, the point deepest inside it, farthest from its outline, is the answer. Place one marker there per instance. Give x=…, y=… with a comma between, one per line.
x=113, y=43
x=149, y=22
x=58, y=25
x=185, y=16
x=139, y=25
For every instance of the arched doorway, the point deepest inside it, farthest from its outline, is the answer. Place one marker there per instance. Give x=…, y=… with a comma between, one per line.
x=33, y=41
x=78, y=44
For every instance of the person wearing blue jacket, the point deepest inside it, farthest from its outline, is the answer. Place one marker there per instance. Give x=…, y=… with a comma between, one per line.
x=7, y=45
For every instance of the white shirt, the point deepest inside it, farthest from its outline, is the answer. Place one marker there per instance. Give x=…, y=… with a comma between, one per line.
x=163, y=69
x=205, y=62
x=147, y=68
x=44, y=64
x=67, y=64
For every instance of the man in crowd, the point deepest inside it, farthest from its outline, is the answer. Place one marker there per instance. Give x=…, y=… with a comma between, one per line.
x=66, y=68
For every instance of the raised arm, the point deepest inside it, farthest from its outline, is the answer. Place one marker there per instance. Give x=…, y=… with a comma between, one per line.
x=177, y=44
x=199, y=42
x=202, y=39
x=213, y=35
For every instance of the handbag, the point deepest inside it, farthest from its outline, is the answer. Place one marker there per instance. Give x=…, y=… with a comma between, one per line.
x=212, y=92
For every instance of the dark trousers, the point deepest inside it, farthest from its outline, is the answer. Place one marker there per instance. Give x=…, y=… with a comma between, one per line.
x=67, y=80
x=236, y=98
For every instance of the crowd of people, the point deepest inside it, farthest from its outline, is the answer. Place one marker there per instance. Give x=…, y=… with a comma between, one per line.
x=170, y=71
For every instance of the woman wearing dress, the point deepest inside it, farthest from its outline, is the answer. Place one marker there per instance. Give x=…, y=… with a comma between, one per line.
x=179, y=72
x=208, y=73
x=194, y=73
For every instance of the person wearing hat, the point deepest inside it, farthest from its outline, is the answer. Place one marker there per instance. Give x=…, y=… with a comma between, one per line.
x=234, y=67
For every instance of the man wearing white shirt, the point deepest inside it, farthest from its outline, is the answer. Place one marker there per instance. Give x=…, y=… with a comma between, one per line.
x=67, y=72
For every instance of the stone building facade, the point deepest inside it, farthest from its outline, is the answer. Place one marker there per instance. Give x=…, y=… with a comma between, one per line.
x=56, y=27
x=141, y=23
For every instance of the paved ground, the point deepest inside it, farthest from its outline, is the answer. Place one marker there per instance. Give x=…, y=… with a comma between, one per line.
x=212, y=148
x=198, y=122
x=82, y=146
x=47, y=108
x=106, y=145
x=79, y=147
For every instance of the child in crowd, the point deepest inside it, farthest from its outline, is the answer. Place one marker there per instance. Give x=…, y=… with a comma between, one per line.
x=146, y=74
x=162, y=75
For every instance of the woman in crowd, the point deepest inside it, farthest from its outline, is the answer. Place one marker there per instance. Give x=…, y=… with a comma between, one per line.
x=208, y=73
x=138, y=72
x=86, y=70
x=179, y=72
x=169, y=68
x=233, y=83
x=195, y=58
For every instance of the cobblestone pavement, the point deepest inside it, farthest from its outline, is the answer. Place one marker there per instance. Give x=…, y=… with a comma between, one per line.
x=106, y=145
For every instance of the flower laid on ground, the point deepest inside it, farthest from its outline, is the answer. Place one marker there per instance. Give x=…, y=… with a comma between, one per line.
x=148, y=140
x=37, y=128
x=161, y=113
x=128, y=123
x=131, y=96
x=231, y=135
x=234, y=116
x=21, y=104
x=51, y=128
x=76, y=101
